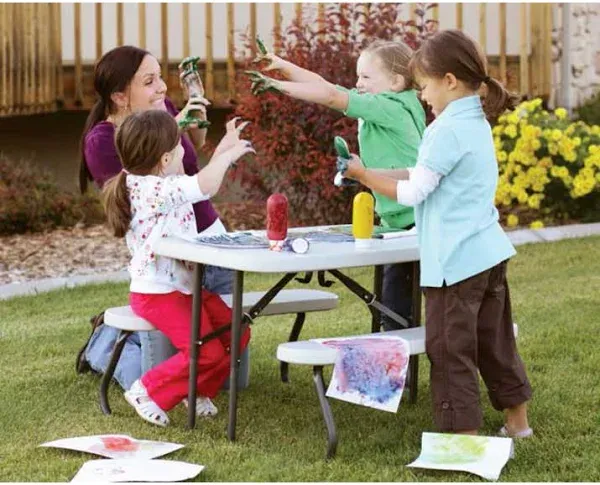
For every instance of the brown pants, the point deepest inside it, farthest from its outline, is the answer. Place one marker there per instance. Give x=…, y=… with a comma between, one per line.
x=468, y=328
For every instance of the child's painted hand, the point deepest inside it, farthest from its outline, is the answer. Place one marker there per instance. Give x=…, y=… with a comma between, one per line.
x=262, y=83
x=355, y=169
x=232, y=136
x=193, y=114
x=274, y=62
x=237, y=151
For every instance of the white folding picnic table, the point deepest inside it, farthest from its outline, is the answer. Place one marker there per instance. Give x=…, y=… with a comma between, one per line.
x=322, y=256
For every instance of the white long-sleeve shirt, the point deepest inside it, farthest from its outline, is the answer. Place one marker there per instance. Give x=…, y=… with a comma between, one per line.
x=421, y=182
x=161, y=207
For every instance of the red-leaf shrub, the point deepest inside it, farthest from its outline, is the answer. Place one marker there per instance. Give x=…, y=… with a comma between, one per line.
x=294, y=139
x=31, y=201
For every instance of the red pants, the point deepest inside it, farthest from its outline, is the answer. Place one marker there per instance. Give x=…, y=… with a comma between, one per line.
x=171, y=313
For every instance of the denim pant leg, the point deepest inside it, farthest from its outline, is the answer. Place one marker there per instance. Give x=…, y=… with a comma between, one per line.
x=100, y=348
x=156, y=347
x=397, y=293
x=220, y=281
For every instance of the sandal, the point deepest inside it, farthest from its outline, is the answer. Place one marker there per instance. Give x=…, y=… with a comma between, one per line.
x=524, y=433
x=204, y=407
x=143, y=404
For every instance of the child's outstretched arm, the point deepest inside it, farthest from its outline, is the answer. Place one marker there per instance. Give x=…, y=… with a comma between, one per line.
x=372, y=179
x=408, y=187
x=211, y=176
x=290, y=70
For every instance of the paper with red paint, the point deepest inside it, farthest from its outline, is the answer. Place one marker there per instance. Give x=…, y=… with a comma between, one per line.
x=115, y=446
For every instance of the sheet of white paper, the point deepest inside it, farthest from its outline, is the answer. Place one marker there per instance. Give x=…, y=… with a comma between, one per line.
x=369, y=370
x=115, y=446
x=481, y=455
x=136, y=471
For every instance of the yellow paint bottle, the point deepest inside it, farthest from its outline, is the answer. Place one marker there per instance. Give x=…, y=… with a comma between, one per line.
x=362, y=219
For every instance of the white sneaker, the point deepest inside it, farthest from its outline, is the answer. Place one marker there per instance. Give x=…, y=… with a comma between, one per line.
x=204, y=407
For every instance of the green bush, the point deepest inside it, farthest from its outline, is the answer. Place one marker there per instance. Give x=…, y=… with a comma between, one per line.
x=31, y=201
x=589, y=112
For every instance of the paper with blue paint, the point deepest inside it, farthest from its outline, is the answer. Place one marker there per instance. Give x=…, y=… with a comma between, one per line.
x=370, y=370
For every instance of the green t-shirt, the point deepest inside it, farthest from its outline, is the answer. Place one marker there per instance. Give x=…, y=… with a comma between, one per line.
x=390, y=127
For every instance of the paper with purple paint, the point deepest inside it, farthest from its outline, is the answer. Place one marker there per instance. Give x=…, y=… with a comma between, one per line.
x=370, y=370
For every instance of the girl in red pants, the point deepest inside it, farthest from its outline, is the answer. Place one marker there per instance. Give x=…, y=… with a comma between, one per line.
x=150, y=199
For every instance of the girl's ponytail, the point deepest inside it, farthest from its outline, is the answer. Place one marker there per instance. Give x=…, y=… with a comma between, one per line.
x=497, y=99
x=117, y=205
x=97, y=114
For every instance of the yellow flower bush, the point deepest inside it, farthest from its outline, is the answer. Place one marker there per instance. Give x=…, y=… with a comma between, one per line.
x=549, y=166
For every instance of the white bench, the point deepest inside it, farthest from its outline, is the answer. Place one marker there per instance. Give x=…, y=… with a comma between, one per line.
x=307, y=352
x=298, y=301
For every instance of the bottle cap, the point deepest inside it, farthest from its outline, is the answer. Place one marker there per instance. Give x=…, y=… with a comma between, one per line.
x=300, y=245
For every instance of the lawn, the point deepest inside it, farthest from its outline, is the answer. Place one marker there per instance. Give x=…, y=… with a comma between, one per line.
x=281, y=437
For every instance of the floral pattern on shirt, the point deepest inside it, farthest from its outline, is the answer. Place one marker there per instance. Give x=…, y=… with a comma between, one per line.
x=160, y=207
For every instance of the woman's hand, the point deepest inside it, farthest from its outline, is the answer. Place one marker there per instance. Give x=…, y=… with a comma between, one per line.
x=197, y=105
x=355, y=169
x=232, y=136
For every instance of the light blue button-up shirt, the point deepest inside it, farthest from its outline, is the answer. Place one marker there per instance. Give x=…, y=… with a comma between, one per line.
x=457, y=224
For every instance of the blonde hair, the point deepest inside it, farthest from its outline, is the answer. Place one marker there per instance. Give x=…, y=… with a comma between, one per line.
x=395, y=56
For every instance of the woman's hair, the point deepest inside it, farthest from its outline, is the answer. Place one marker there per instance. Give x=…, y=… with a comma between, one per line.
x=452, y=51
x=112, y=74
x=395, y=57
x=141, y=141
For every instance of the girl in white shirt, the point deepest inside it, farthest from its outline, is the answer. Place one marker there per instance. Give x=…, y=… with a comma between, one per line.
x=150, y=199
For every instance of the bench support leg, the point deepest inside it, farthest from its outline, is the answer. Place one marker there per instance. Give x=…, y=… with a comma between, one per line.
x=294, y=334
x=110, y=370
x=326, y=410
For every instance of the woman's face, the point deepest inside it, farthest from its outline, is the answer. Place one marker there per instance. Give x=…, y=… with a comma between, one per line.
x=147, y=89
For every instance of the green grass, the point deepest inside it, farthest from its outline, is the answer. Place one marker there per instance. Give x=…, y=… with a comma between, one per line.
x=281, y=437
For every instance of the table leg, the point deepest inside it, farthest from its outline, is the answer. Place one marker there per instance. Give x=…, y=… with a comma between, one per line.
x=416, y=321
x=194, y=348
x=238, y=292
x=377, y=291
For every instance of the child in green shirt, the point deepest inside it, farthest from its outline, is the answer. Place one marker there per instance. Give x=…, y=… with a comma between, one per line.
x=391, y=121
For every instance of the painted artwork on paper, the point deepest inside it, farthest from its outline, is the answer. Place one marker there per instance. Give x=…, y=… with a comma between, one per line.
x=370, y=371
x=481, y=455
x=133, y=470
x=115, y=446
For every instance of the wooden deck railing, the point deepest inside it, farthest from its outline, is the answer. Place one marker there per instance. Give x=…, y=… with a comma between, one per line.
x=36, y=77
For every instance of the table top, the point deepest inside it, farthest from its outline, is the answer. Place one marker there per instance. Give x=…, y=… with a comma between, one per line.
x=320, y=256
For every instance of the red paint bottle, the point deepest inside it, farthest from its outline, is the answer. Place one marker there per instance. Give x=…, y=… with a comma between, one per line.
x=277, y=220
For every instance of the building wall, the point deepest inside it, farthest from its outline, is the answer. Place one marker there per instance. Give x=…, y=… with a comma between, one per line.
x=447, y=19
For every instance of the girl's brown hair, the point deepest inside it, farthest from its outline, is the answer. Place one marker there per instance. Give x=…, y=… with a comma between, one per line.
x=452, y=51
x=395, y=57
x=112, y=74
x=141, y=141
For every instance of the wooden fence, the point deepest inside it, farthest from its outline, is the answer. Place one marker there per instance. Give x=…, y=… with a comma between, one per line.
x=35, y=77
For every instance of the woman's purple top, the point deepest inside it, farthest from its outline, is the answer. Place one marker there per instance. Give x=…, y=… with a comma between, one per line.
x=103, y=163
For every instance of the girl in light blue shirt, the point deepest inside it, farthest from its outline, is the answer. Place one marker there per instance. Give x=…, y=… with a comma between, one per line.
x=464, y=251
